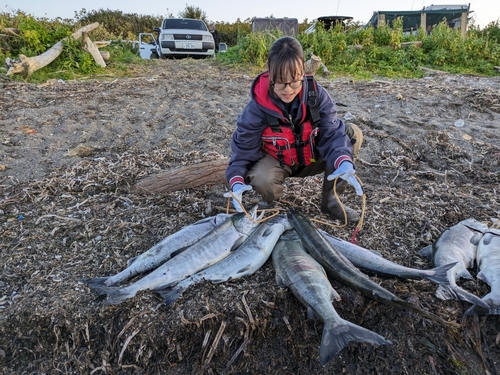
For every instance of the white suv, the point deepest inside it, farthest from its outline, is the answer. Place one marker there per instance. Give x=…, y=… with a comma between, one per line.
x=181, y=37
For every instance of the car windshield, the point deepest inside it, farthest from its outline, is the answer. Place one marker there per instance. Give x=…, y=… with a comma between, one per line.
x=184, y=24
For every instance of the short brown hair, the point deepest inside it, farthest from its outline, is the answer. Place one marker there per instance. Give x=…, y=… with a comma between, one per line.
x=285, y=56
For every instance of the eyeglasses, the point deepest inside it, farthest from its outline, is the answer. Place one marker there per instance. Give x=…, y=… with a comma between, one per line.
x=282, y=85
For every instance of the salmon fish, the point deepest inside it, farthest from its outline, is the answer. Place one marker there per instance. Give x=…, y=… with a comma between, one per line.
x=454, y=245
x=307, y=280
x=212, y=248
x=488, y=262
x=371, y=261
x=338, y=267
x=161, y=252
x=244, y=261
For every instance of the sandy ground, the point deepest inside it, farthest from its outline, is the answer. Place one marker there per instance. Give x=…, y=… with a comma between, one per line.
x=71, y=153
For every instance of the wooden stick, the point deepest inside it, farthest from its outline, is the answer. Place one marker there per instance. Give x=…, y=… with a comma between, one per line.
x=27, y=65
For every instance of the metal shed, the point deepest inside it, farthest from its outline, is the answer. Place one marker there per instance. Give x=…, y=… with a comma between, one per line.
x=287, y=26
x=456, y=16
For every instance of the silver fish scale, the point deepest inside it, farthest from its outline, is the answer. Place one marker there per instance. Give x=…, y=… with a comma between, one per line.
x=249, y=257
x=211, y=249
x=488, y=260
x=307, y=280
x=305, y=277
x=163, y=251
x=454, y=245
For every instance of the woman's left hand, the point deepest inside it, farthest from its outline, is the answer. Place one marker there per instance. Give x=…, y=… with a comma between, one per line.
x=346, y=172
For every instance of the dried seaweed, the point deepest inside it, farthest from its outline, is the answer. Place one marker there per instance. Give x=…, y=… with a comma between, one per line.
x=69, y=217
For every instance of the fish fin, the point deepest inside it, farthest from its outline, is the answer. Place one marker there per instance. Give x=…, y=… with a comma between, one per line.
x=464, y=274
x=334, y=296
x=253, y=213
x=244, y=269
x=336, y=336
x=439, y=275
x=493, y=308
x=476, y=238
x=280, y=281
x=447, y=292
x=131, y=260
x=482, y=277
x=170, y=295
x=117, y=295
x=238, y=243
x=478, y=310
x=487, y=238
x=96, y=282
x=268, y=231
x=220, y=218
x=310, y=313
x=426, y=252
x=176, y=252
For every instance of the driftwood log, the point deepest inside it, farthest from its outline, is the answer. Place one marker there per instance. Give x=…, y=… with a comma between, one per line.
x=406, y=45
x=313, y=64
x=27, y=65
x=188, y=177
x=92, y=49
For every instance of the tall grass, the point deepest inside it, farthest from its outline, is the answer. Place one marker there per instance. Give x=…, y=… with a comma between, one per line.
x=365, y=52
x=360, y=52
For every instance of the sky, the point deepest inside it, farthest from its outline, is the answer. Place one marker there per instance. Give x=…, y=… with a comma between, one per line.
x=485, y=11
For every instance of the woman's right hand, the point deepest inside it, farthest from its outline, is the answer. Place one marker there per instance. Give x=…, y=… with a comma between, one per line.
x=237, y=195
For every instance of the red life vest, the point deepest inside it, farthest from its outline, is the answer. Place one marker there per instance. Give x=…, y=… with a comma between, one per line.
x=294, y=144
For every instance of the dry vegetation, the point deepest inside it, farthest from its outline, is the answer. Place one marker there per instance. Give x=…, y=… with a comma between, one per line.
x=71, y=152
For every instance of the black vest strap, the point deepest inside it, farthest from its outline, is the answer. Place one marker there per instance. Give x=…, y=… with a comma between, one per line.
x=273, y=122
x=313, y=101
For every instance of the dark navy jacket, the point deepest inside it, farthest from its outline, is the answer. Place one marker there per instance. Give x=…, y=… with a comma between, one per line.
x=332, y=143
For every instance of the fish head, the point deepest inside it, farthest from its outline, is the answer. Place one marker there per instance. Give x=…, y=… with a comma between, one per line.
x=244, y=223
x=281, y=219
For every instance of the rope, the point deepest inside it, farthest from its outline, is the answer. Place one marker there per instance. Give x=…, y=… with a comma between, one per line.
x=262, y=220
x=496, y=224
x=353, y=239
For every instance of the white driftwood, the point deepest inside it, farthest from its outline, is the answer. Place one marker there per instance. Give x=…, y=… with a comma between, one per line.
x=92, y=49
x=406, y=45
x=105, y=55
x=102, y=43
x=11, y=31
x=313, y=64
x=27, y=65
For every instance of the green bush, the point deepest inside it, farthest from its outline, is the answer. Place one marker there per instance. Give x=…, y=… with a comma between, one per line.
x=357, y=51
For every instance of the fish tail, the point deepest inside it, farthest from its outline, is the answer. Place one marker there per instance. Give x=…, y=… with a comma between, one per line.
x=170, y=295
x=439, y=275
x=455, y=292
x=336, y=336
x=96, y=282
x=493, y=302
x=117, y=295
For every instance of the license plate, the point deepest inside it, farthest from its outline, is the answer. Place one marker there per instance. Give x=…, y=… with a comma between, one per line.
x=188, y=45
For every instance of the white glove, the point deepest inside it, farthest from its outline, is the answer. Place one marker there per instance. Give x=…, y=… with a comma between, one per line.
x=238, y=190
x=346, y=172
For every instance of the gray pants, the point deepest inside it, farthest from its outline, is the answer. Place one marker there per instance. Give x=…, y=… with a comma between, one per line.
x=267, y=175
